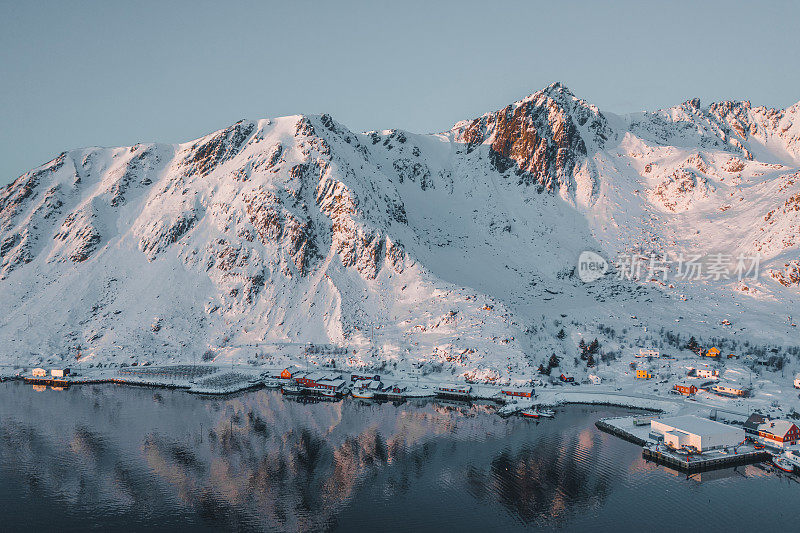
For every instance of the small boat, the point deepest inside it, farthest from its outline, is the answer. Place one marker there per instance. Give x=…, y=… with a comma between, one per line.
x=362, y=393
x=291, y=389
x=537, y=413
x=781, y=463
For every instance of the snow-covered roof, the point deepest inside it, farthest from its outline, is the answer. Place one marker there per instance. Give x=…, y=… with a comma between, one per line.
x=694, y=424
x=776, y=427
x=331, y=382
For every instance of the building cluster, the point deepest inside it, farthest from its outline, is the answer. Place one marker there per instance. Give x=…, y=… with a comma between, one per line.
x=54, y=372
x=772, y=433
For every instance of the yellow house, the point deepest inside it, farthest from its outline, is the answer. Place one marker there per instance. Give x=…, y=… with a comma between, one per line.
x=643, y=374
x=712, y=352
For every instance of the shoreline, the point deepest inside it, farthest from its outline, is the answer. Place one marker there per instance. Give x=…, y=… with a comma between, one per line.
x=546, y=397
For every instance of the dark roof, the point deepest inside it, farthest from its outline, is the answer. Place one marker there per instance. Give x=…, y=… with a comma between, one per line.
x=754, y=421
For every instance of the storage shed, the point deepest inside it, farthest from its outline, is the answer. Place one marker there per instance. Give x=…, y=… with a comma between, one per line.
x=693, y=431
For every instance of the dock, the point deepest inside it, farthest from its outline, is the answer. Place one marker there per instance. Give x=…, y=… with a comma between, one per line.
x=700, y=464
x=615, y=429
x=54, y=382
x=635, y=431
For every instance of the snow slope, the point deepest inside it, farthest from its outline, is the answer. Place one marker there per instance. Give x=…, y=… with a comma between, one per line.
x=454, y=251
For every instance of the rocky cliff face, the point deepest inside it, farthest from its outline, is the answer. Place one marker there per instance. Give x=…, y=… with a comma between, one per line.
x=542, y=139
x=458, y=249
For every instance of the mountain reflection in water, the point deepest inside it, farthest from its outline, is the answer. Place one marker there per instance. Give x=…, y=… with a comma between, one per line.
x=116, y=457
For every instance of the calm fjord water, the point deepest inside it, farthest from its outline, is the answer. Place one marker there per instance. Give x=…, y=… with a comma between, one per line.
x=110, y=457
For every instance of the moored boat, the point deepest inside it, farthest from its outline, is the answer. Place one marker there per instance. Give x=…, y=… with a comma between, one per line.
x=782, y=463
x=363, y=393
x=537, y=412
x=291, y=389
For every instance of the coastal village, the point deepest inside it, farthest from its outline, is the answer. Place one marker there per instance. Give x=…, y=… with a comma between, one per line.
x=708, y=412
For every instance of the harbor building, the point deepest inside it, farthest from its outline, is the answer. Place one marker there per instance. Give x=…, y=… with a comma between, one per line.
x=778, y=433
x=694, y=432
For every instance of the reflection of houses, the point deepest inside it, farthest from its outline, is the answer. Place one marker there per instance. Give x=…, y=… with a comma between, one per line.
x=695, y=432
x=778, y=433
x=685, y=388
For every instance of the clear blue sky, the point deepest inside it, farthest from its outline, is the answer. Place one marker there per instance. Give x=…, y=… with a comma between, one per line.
x=112, y=73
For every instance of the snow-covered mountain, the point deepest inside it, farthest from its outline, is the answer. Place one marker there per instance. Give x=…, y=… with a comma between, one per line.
x=455, y=249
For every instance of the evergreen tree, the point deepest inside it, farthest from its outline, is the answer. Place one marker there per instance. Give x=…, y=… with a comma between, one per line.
x=693, y=346
x=593, y=346
x=561, y=334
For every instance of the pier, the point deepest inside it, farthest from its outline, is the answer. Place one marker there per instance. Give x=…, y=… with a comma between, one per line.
x=700, y=464
x=634, y=430
x=617, y=431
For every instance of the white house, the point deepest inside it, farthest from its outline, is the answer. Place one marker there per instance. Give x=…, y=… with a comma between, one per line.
x=707, y=372
x=39, y=373
x=594, y=380
x=700, y=433
x=797, y=381
x=648, y=353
